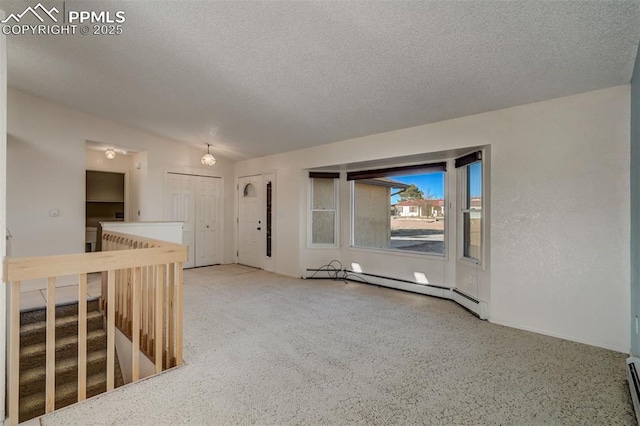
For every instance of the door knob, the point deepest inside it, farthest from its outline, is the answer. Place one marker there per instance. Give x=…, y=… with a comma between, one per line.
x=259, y=228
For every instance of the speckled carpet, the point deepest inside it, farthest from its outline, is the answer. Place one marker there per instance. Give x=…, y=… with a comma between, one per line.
x=266, y=349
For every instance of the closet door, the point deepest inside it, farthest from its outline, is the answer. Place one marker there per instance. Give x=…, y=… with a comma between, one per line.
x=208, y=221
x=179, y=207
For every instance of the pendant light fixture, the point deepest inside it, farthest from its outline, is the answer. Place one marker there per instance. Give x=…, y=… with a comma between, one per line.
x=208, y=159
x=110, y=154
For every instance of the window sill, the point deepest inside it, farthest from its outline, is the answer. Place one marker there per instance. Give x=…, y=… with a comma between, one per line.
x=472, y=263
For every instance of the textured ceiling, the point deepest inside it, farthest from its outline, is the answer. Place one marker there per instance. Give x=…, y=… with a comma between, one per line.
x=268, y=77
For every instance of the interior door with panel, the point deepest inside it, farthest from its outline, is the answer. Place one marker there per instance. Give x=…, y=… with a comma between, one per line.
x=179, y=191
x=208, y=221
x=250, y=221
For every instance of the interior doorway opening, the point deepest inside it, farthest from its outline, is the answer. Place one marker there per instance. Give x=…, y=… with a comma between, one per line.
x=105, y=202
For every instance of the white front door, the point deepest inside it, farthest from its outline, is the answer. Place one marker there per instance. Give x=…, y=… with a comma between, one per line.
x=250, y=221
x=208, y=221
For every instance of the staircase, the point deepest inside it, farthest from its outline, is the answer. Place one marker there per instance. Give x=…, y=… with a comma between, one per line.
x=33, y=357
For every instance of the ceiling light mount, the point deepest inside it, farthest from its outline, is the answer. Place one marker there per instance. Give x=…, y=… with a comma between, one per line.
x=208, y=159
x=110, y=154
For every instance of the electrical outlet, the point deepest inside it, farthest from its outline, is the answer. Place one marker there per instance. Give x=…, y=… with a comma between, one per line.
x=54, y=212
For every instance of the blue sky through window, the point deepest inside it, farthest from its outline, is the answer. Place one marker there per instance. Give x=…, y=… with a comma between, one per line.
x=475, y=178
x=433, y=183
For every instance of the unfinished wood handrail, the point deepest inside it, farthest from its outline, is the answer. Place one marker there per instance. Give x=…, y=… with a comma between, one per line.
x=156, y=311
x=141, y=295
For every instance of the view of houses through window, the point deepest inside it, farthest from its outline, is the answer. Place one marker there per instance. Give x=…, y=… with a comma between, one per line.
x=400, y=212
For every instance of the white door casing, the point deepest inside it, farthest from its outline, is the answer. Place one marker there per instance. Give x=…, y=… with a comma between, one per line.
x=269, y=258
x=250, y=221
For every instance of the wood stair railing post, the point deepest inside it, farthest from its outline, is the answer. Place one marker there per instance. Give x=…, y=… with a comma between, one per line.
x=14, y=354
x=111, y=328
x=82, y=338
x=135, y=325
x=179, y=305
x=171, y=353
x=50, y=393
x=159, y=292
x=150, y=305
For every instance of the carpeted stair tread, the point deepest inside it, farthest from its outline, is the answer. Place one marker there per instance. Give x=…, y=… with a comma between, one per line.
x=35, y=355
x=65, y=310
x=66, y=394
x=35, y=332
x=34, y=380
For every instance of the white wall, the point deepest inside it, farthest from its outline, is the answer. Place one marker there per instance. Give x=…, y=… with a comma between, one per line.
x=560, y=218
x=47, y=160
x=125, y=357
x=135, y=186
x=96, y=160
x=559, y=182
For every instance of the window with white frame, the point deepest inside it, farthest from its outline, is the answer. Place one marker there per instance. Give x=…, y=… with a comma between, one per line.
x=400, y=208
x=323, y=208
x=470, y=174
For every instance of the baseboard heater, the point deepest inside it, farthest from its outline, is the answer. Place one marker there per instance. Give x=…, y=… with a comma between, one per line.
x=633, y=366
x=476, y=307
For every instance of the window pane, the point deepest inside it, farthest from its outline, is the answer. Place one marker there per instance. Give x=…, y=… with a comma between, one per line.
x=472, y=220
x=323, y=194
x=400, y=213
x=472, y=234
x=372, y=217
x=323, y=228
x=474, y=186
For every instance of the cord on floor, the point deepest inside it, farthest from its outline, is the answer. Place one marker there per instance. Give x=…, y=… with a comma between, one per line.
x=337, y=272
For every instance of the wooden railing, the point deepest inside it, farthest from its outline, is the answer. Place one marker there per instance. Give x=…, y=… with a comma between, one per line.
x=147, y=302
x=141, y=294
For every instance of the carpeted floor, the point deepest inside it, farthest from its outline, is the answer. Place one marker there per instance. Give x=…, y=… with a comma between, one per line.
x=266, y=349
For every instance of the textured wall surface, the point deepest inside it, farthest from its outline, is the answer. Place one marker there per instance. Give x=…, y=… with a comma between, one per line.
x=560, y=218
x=635, y=208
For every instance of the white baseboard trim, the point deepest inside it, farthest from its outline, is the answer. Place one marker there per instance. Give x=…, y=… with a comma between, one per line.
x=428, y=290
x=478, y=307
x=615, y=348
